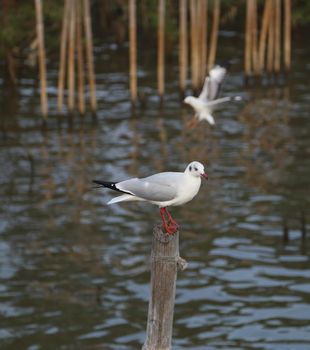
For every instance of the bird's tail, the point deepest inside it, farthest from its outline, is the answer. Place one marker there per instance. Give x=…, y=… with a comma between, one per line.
x=208, y=117
x=123, y=198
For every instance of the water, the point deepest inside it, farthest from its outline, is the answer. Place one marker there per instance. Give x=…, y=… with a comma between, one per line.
x=74, y=273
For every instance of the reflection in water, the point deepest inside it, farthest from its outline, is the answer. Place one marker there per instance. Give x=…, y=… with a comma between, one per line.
x=271, y=156
x=73, y=271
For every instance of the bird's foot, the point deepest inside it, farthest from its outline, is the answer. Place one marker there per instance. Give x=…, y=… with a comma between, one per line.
x=172, y=228
x=192, y=123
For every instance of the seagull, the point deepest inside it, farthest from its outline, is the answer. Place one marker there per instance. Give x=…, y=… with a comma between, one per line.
x=163, y=189
x=208, y=99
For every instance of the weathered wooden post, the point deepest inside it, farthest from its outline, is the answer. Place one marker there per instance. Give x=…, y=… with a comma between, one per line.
x=165, y=260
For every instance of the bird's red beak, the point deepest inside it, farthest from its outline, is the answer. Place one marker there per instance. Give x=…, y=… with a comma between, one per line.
x=204, y=175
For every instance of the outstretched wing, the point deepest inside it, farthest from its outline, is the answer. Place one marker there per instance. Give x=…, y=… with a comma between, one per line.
x=204, y=95
x=212, y=84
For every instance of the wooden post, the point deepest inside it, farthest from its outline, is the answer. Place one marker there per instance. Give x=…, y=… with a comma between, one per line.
x=164, y=262
x=161, y=48
x=62, y=64
x=41, y=56
x=214, y=33
x=89, y=56
x=80, y=58
x=132, y=50
x=183, y=47
x=287, y=34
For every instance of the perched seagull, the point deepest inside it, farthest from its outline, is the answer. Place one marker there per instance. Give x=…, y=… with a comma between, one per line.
x=163, y=189
x=208, y=99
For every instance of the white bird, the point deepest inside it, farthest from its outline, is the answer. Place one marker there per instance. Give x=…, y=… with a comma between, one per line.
x=208, y=99
x=163, y=189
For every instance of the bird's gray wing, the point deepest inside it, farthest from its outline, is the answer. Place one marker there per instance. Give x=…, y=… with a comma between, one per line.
x=159, y=187
x=211, y=89
x=205, y=90
x=212, y=86
x=214, y=89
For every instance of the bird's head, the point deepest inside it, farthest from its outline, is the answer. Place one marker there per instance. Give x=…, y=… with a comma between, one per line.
x=196, y=169
x=189, y=100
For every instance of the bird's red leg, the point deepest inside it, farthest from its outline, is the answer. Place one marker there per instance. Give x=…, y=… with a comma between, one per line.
x=162, y=214
x=172, y=226
x=172, y=221
x=192, y=123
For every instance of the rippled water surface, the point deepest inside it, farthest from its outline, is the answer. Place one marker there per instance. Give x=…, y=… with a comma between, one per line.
x=74, y=273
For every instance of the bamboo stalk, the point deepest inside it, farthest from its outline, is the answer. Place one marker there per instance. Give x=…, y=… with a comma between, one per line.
x=183, y=47
x=254, y=38
x=270, y=53
x=277, y=36
x=133, y=51
x=71, y=60
x=89, y=56
x=80, y=58
x=287, y=34
x=263, y=35
x=194, y=45
x=41, y=57
x=203, y=36
x=165, y=260
x=161, y=48
x=214, y=33
x=199, y=41
x=248, y=40
x=62, y=64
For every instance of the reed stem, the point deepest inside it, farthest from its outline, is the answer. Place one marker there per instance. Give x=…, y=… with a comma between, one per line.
x=133, y=51
x=41, y=58
x=89, y=56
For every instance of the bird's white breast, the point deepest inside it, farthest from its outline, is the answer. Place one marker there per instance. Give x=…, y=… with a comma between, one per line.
x=188, y=190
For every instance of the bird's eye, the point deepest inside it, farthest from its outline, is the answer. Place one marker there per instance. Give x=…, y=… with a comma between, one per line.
x=190, y=168
x=195, y=169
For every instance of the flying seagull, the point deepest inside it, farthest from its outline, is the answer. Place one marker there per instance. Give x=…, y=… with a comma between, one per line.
x=208, y=99
x=163, y=189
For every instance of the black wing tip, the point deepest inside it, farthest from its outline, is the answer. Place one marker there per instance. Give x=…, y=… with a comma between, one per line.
x=98, y=182
x=104, y=183
x=108, y=184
